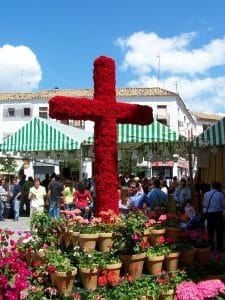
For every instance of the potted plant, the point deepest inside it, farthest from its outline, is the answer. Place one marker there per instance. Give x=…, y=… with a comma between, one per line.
x=172, y=223
x=147, y=287
x=88, y=234
x=168, y=281
x=156, y=227
x=129, y=243
x=172, y=255
x=107, y=224
x=187, y=250
x=44, y=228
x=111, y=263
x=61, y=270
x=155, y=256
x=201, y=243
x=89, y=264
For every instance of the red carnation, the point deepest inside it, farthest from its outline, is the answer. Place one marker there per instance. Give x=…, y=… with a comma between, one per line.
x=51, y=269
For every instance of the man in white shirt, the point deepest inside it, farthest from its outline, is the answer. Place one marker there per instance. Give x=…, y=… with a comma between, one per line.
x=213, y=206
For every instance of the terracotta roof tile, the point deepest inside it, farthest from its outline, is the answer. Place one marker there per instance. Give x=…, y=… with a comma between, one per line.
x=121, y=92
x=205, y=116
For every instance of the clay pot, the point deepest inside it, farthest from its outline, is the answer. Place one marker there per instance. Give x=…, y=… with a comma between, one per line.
x=105, y=241
x=154, y=264
x=171, y=261
x=88, y=240
x=89, y=277
x=133, y=264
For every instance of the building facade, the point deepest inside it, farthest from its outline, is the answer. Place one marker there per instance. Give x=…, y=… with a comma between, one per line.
x=16, y=109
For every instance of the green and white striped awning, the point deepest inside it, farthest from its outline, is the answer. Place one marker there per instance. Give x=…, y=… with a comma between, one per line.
x=44, y=135
x=153, y=133
x=212, y=136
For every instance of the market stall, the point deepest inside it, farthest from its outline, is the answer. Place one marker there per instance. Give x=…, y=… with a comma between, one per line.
x=209, y=147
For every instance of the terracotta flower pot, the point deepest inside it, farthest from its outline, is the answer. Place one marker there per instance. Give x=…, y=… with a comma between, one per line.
x=88, y=240
x=202, y=255
x=67, y=239
x=105, y=241
x=171, y=261
x=187, y=257
x=154, y=264
x=146, y=235
x=167, y=295
x=74, y=238
x=173, y=232
x=115, y=269
x=89, y=277
x=64, y=281
x=133, y=264
x=155, y=234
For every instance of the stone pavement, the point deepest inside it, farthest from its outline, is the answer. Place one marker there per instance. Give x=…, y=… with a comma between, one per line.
x=15, y=226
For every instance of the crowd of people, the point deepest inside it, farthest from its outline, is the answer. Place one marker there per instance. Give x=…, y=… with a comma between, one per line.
x=57, y=196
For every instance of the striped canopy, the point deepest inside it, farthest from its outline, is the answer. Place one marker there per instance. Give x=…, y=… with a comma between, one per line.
x=44, y=135
x=153, y=133
x=212, y=136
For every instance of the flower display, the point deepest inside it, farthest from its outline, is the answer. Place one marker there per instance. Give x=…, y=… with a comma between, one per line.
x=129, y=236
x=207, y=289
x=169, y=280
x=14, y=273
x=106, y=113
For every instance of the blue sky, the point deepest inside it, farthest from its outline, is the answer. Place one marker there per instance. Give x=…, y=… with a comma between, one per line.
x=177, y=45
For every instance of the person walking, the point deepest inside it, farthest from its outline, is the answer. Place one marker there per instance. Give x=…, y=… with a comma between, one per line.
x=182, y=194
x=37, y=194
x=68, y=193
x=156, y=197
x=3, y=197
x=213, y=206
x=55, y=194
x=82, y=199
x=16, y=193
x=25, y=202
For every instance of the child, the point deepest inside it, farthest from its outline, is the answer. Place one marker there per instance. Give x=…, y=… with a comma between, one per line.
x=192, y=221
x=189, y=209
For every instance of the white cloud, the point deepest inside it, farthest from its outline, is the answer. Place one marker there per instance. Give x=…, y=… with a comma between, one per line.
x=180, y=64
x=19, y=69
x=141, y=51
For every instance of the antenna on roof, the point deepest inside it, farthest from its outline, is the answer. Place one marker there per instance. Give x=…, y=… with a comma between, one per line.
x=176, y=84
x=158, y=68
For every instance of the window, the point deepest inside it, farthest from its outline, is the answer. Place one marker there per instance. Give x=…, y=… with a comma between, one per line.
x=161, y=110
x=78, y=123
x=43, y=112
x=66, y=122
x=163, y=121
x=26, y=112
x=11, y=112
x=205, y=126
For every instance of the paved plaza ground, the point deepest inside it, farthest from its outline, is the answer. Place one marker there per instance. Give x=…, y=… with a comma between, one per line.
x=15, y=226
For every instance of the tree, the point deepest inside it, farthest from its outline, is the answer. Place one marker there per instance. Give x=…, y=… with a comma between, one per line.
x=8, y=165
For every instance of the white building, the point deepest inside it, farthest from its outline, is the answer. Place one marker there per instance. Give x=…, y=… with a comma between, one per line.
x=203, y=121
